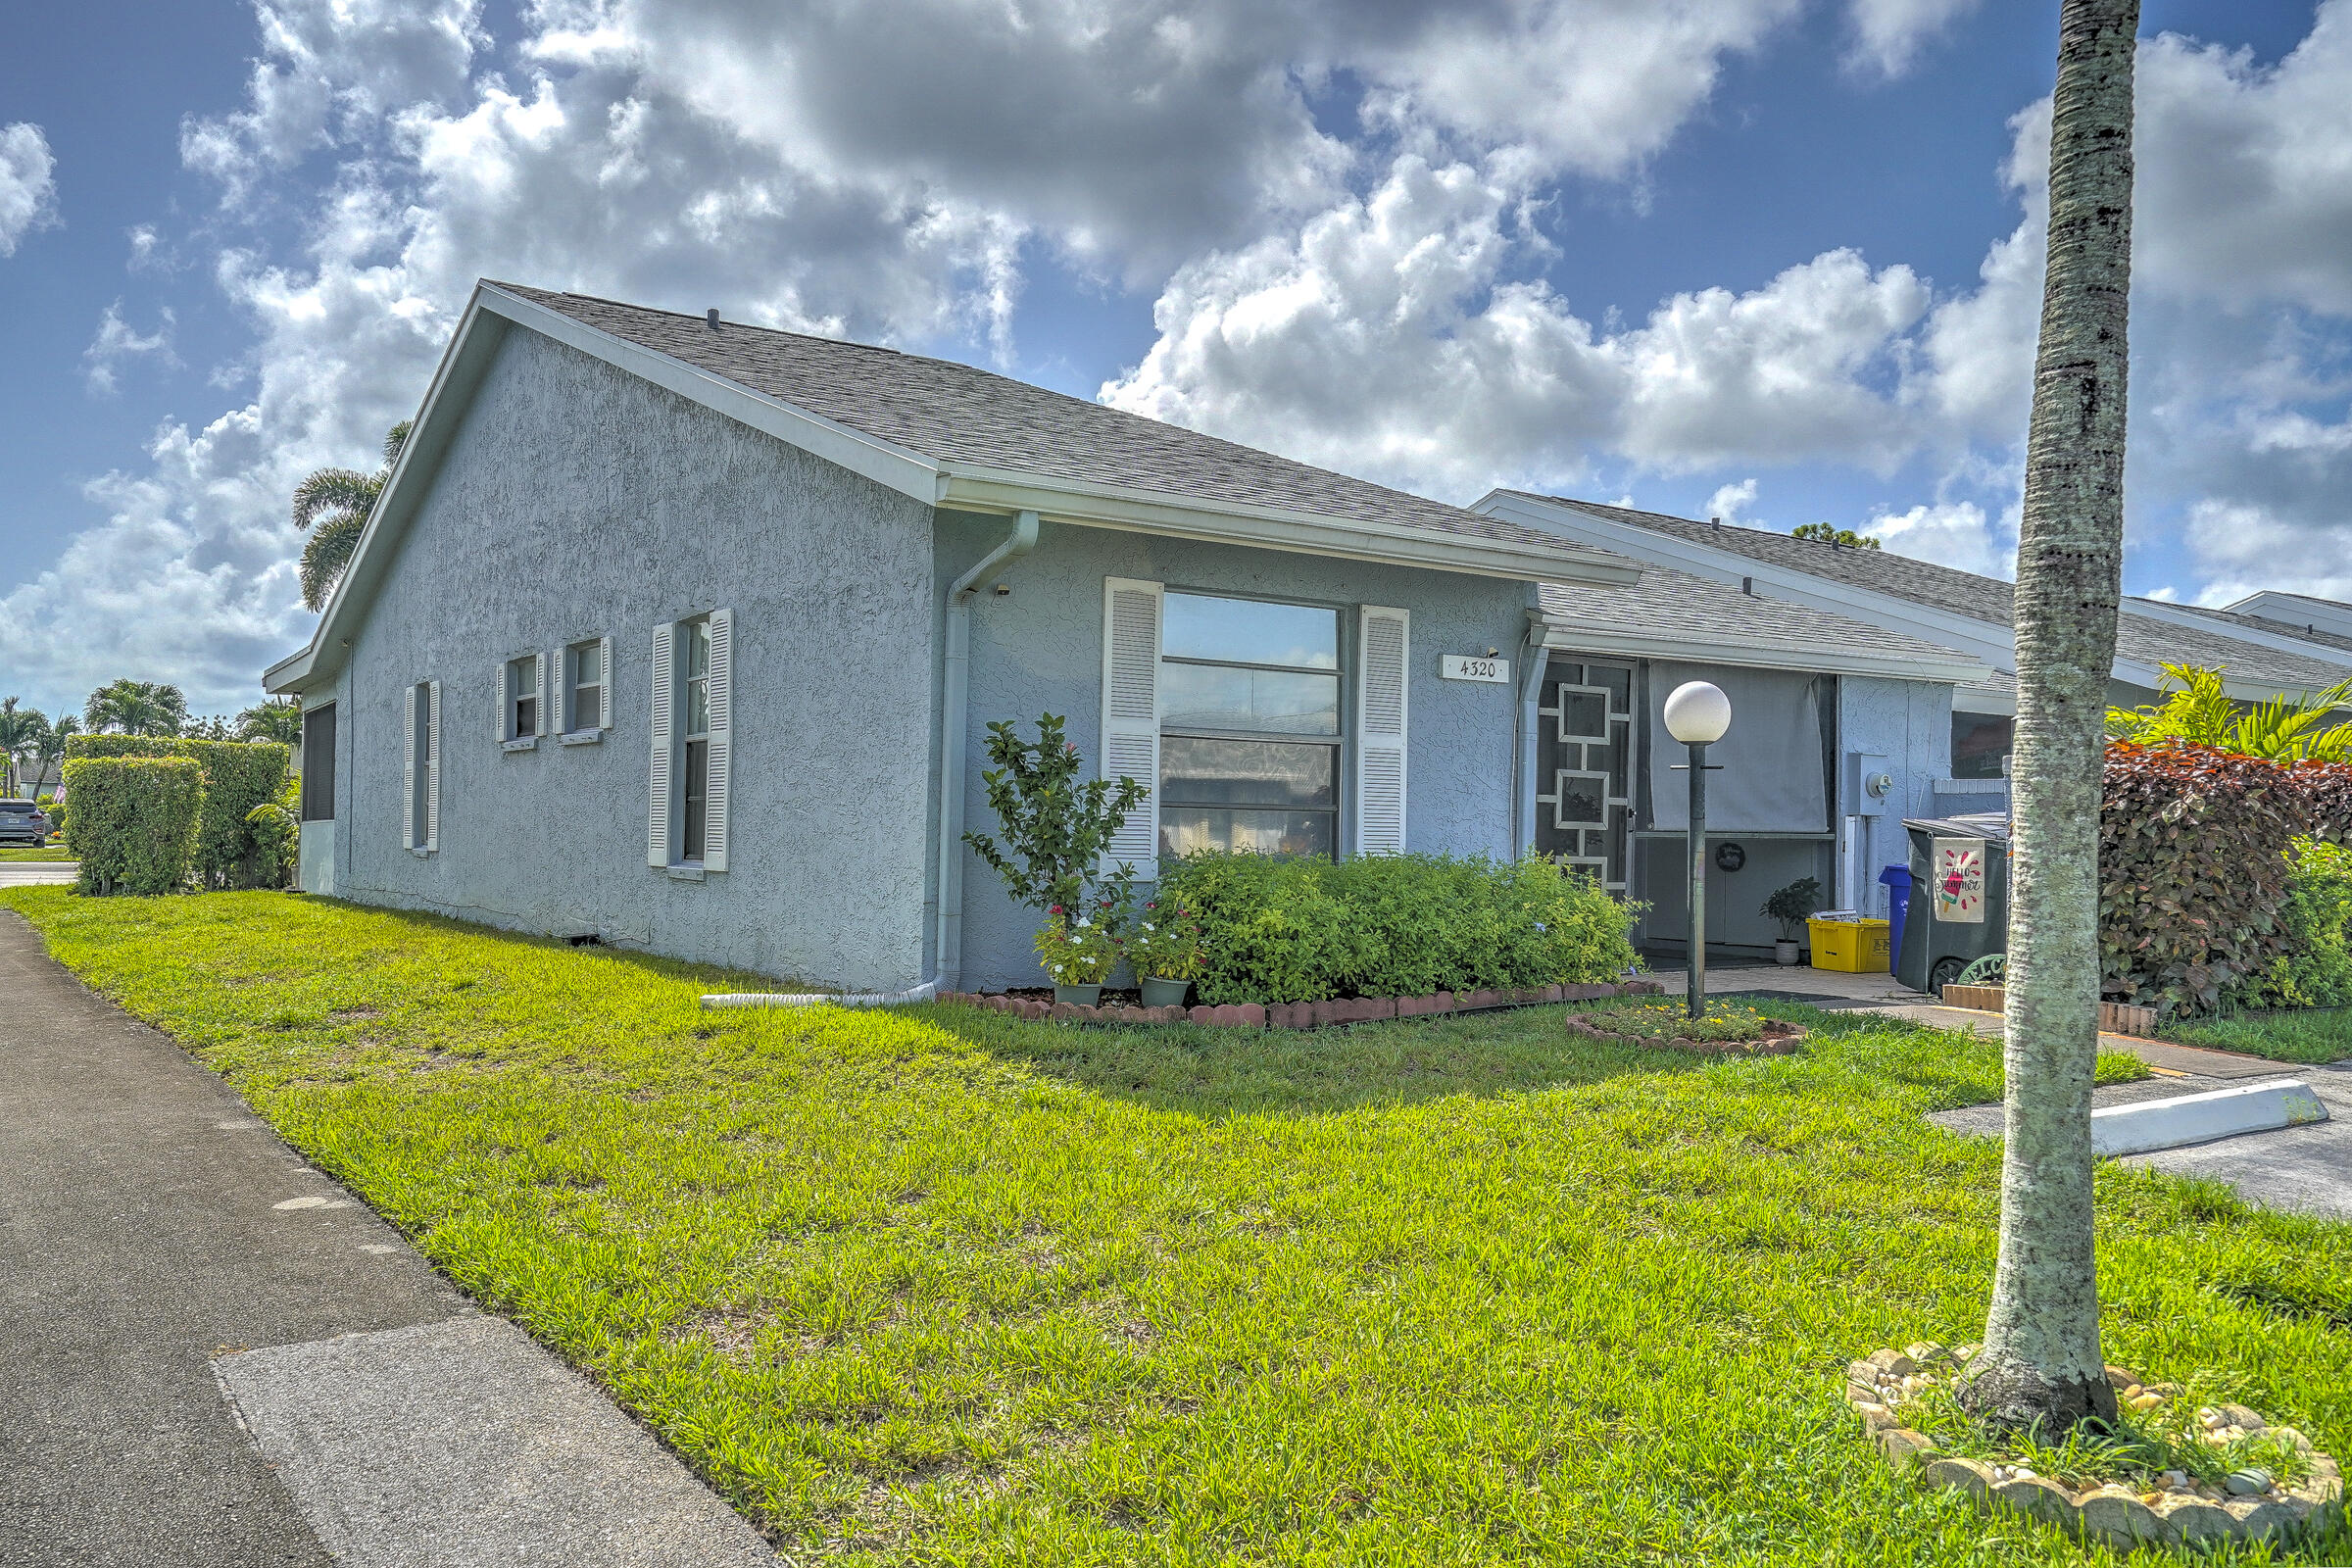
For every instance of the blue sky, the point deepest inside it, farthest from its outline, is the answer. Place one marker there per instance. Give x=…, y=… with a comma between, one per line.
x=1762, y=257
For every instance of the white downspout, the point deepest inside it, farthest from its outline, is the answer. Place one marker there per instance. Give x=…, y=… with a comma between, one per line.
x=1536, y=656
x=955, y=681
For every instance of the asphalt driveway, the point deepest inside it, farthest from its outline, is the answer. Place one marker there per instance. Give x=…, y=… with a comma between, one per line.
x=210, y=1354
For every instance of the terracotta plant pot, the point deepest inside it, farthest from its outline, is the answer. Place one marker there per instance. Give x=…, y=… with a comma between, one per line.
x=1165, y=993
x=1078, y=996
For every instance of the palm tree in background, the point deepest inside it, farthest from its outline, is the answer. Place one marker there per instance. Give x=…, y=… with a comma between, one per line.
x=332, y=505
x=2040, y=1365
x=50, y=751
x=22, y=731
x=278, y=719
x=136, y=708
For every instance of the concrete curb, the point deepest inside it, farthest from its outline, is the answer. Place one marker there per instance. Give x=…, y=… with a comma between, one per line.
x=2147, y=1125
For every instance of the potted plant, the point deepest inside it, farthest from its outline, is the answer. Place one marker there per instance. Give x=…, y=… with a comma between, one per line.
x=1163, y=946
x=1792, y=906
x=1077, y=954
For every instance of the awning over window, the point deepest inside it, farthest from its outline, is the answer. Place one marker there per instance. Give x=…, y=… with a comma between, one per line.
x=1771, y=779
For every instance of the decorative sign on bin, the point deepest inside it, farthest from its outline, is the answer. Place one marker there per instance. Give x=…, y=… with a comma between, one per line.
x=1959, y=881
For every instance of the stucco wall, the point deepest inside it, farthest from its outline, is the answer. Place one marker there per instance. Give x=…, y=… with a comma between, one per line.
x=578, y=502
x=1038, y=649
x=1910, y=725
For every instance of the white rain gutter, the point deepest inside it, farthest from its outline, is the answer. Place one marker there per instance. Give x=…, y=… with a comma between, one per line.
x=955, y=683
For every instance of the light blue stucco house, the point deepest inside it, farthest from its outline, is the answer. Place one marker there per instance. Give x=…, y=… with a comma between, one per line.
x=669, y=629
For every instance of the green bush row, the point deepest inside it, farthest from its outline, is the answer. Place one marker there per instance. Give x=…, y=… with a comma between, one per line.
x=2315, y=970
x=134, y=821
x=1307, y=929
x=239, y=776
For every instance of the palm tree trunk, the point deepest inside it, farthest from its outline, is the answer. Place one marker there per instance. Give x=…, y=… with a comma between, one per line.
x=2040, y=1360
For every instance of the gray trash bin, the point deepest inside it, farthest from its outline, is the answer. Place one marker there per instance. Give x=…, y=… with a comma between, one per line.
x=1941, y=934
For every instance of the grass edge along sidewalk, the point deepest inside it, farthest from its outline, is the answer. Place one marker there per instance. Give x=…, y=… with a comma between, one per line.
x=937, y=1286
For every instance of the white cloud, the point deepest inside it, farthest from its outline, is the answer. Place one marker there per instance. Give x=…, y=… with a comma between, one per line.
x=1888, y=34
x=1950, y=534
x=28, y=185
x=117, y=341
x=1390, y=336
x=1729, y=503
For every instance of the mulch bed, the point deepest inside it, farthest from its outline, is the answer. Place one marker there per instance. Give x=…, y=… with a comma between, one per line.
x=1778, y=1039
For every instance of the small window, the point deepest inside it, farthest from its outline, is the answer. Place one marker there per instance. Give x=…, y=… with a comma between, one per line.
x=584, y=686
x=420, y=765
x=318, y=763
x=694, y=692
x=522, y=698
x=1982, y=744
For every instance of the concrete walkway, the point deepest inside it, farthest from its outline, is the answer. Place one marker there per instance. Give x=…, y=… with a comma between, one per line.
x=37, y=873
x=162, y=1250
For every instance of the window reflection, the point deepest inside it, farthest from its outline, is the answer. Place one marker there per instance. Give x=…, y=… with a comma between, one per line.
x=1219, y=697
x=1193, y=771
x=1250, y=631
x=1192, y=829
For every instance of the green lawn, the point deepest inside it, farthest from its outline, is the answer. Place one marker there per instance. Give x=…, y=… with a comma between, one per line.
x=2312, y=1035
x=48, y=852
x=939, y=1287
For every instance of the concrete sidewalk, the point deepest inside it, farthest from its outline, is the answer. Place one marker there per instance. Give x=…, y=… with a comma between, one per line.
x=37, y=873
x=151, y=1224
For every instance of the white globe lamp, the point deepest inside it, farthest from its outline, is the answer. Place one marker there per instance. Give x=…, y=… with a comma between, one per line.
x=1699, y=714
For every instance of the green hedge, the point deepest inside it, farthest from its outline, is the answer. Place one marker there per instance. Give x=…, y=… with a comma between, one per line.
x=133, y=825
x=238, y=777
x=1305, y=929
x=2315, y=970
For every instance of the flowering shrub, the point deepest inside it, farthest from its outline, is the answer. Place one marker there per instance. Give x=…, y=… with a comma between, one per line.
x=1163, y=942
x=1076, y=953
x=1056, y=826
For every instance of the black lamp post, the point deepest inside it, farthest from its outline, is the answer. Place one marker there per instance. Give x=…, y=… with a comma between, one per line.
x=1697, y=714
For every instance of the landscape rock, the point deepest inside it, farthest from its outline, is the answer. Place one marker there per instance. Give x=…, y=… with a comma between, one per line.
x=2120, y=1519
x=2035, y=1498
x=2192, y=1521
x=1966, y=1475
x=1905, y=1447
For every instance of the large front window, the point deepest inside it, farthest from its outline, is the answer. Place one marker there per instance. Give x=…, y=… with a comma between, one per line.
x=694, y=690
x=1250, y=727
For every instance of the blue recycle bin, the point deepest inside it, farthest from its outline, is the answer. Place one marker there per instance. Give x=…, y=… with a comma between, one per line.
x=1897, y=881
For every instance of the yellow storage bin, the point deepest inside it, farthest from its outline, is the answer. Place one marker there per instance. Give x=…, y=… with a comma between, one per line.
x=1857, y=947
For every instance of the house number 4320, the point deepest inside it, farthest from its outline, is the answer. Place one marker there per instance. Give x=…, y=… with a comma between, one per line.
x=1459, y=666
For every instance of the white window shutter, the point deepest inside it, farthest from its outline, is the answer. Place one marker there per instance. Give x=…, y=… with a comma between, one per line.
x=722, y=739
x=656, y=839
x=603, y=683
x=433, y=765
x=1131, y=619
x=551, y=693
x=1384, y=660
x=502, y=705
x=408, y=766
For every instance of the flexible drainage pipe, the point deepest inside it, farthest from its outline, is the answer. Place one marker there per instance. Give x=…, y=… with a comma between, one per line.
x=816, y=998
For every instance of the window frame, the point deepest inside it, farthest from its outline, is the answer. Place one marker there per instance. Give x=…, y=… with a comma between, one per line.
x=571, y=689
x=694, y=804
x=1336, y=741
x=513, y=693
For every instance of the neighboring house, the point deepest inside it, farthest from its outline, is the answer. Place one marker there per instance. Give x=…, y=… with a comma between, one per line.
x=2325, y=622
x=669, y=629
x=1965, y=769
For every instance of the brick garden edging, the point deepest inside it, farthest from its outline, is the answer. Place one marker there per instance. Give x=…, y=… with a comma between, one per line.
x=2113, y=1514
x=1308, y=1014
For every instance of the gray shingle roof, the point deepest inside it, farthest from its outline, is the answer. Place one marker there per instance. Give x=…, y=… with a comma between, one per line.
x=1670, y=603
x=954, y=413
x=2142, y=638
x=2301, y=631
